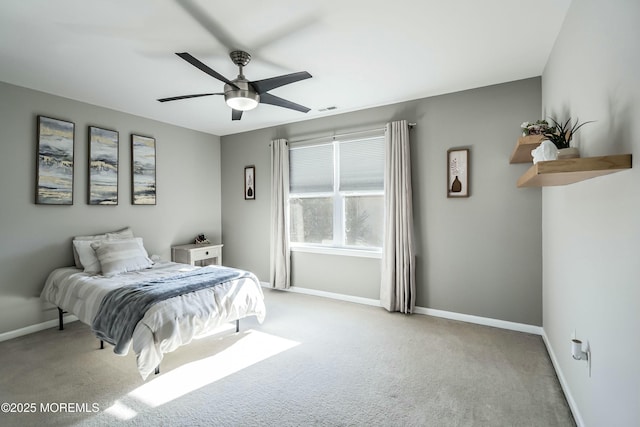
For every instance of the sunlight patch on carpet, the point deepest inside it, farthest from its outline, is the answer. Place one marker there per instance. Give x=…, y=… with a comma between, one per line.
x=251, y=349
x=121, y=411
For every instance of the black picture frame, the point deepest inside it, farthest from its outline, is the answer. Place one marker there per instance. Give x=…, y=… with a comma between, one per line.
x=103, y=166
x=458, y=173
x=54, y=161
x=250, y=182
x=143, y=170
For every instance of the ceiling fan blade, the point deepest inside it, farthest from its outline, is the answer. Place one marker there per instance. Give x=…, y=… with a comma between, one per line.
x=206, y=19
x=207, y=22
x=236, y=114
x=175, y=98
x=196, y=63
x=262, y=86
x=267, y=98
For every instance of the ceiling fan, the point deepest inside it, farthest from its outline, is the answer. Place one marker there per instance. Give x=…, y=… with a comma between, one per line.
x=241, y=94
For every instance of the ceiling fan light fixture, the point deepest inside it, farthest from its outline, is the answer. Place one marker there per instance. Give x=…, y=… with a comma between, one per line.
x=241, y=97
x=242, y=101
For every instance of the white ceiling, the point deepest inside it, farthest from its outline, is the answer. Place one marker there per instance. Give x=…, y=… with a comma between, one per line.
x=119, y=54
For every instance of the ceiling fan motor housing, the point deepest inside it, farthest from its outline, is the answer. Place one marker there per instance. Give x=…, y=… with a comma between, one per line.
x=244, y=98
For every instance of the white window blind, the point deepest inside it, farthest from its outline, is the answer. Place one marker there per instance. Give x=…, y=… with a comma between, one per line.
x=311, y=169
x=362, y=165
x=336, y=193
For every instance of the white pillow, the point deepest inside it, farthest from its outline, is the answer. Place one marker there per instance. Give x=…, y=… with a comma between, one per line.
x=125, y=233
x=87, y=256
x=121, y=255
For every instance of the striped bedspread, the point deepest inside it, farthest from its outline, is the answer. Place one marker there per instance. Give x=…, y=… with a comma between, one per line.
x=122, y=308
x=81, y=293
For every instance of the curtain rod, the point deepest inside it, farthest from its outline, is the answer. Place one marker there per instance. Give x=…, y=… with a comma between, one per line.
x=341, y=135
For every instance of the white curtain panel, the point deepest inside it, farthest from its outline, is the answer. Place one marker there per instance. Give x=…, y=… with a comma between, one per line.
x=280, y=263
x=397, y=289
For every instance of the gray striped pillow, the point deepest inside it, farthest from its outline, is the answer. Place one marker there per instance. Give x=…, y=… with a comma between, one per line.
x=125, y=233
x=121, y=256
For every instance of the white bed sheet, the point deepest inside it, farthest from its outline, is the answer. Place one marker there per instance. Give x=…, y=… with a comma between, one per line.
x=168, y=324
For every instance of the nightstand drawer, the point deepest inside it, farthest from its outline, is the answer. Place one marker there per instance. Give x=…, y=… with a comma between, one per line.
x=196, y=254
x=205, y=253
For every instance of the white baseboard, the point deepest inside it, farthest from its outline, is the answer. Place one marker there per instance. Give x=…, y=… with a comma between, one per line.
x=341, y=297
x=35, y=328
x=486, y=321
x=496, y=323
x=563, y=382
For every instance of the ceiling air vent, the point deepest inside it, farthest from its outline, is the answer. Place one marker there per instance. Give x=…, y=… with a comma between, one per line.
x=333, y=107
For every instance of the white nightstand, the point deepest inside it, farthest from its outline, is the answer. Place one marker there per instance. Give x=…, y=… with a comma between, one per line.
x=196, y=254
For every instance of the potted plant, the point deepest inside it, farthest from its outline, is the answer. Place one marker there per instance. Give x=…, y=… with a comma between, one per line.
x=561, y=135
x=538, y=127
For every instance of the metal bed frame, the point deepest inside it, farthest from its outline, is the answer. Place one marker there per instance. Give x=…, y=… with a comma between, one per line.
x=61, y=312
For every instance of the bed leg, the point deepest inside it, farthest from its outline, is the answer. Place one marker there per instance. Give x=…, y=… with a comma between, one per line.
x=60, y=322
x=157, y=370
x=101, y=345
x=237, y=325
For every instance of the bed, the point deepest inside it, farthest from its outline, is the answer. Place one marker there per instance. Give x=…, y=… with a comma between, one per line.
x=110, y=299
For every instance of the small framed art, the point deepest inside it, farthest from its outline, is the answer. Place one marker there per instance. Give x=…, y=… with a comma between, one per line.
x=143, y=170
x=54, y=181
x=249, y=183
x=458, y=173
x=103, y=166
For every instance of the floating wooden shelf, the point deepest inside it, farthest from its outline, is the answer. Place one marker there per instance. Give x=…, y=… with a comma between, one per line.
x=568, y=171
x=522, y=151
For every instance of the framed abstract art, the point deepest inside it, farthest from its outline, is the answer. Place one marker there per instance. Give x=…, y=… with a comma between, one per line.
x=54, y=181
x=103, y=166
x=143, y=170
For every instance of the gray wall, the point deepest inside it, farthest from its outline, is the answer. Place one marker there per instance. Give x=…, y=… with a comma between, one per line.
x=478, y=256
x=592, y=229
x=34, y=239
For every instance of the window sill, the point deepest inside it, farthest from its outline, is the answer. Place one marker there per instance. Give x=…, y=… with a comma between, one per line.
x=362, y=253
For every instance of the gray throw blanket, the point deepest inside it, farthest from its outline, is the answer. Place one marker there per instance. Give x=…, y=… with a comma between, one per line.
x=122, y=309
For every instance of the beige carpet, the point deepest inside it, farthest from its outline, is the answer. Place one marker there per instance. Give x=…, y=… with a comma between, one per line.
x=314, y=361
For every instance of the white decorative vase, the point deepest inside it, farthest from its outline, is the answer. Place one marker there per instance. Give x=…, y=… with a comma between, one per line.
x=568, y=153
x=546, y=151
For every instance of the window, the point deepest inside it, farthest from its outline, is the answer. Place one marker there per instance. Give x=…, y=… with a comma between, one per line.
x=336, y=194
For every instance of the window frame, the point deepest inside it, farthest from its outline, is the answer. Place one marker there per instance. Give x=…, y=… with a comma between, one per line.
x=338, y=245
